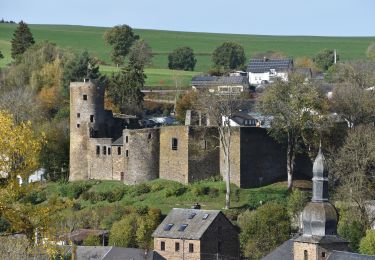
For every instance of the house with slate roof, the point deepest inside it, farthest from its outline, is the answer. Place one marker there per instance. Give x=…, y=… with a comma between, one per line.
x=221, y=85
x=265, y=70
x=196, y=234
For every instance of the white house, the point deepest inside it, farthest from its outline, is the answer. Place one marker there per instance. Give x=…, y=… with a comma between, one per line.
x=263, y=71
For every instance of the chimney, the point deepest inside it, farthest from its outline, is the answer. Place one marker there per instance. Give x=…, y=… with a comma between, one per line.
x=264, y=58
x=196, y=206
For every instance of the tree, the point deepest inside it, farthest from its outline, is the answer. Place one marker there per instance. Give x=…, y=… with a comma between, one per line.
x=124, y=89
x=354, y=104
x=123, y=232
x=92, y=240
x=82, y=66
x=263, y=230
x=121, y=38
x=140, y=53
x=22, y=40
x=296, y=202
x=371, y=51
x=1, y=56
x=182, y=58
x=294, y=106
x=359, y=73
x=367, y=245
x=219, y=109
x=353, y=169
x=229, y=55
x=186, y=102
x=325, y=59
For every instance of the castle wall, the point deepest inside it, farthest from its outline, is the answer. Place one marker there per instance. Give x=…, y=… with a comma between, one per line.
x=141, y=148
x=118, y=161
x=100, y=164
x=203, y=153
x=174, y=163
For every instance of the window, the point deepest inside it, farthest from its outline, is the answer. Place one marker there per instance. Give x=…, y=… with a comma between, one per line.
x=126, y=153
x=78, y=115
x=182, y=227
x=174, y=143
x=122, y=176
x=126, y=139
x=177, y=247
x=205, y=216
x=84, y=97
x=192, y=215
x=191, y=248
x=78, y=125
x=168, y=227
x=305, y=255
x=119, y=150
x=104, y=150
x=109, y=150
x=323, y=254
x=97, y=149
x=162, y=246
x=91, y=118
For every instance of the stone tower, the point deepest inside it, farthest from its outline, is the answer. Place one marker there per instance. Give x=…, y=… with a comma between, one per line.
x=86, y=118
x=319, y=218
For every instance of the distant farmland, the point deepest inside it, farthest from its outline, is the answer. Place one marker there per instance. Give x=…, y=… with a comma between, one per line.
x=79, y=38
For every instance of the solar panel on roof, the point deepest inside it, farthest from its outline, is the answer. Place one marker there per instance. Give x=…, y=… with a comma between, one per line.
x=168, y=227
x=182, y=227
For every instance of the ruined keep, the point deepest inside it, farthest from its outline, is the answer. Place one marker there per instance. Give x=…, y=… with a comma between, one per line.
x=107, y=146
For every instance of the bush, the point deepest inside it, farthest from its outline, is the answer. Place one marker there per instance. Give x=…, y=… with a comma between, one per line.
x=367, y=245
x=34, y=197
x=213, y=193
x=92, y=240
x=140, y=189
x=123, y=232
x=175, y=191
x=73, y=190
x=156, y=187
x=4, y=224
x=76, y=206
x=200, y=190
x=115, y=195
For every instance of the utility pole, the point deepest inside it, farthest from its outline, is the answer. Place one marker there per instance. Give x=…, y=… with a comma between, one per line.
x=334, y=56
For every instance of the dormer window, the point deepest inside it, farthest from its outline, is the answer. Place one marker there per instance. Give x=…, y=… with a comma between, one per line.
x=182, y=227
x=168, y=227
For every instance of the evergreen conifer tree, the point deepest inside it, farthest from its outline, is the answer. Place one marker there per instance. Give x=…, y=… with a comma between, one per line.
x=22, y=40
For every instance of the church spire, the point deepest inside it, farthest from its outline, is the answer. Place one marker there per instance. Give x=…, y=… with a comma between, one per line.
x=320, y=178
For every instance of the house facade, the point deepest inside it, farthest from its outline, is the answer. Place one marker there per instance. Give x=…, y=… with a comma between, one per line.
x=263, y=71
x=221, y=85
x=197, y=235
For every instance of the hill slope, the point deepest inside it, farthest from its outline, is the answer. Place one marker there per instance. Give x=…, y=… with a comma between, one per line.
x=163, y=42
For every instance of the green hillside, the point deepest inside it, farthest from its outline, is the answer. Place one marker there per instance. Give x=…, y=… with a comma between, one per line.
x=163, y=42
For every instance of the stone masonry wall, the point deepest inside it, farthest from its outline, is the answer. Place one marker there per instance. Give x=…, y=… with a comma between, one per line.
x=170, y=245
x=235, y=158
x=118, y=161
x=204, y=153
x=174, y=163
x=142, y=152
x=100, y=165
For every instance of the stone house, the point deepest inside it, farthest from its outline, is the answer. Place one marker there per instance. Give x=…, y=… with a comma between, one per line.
x=220, y=85
x=196, y=234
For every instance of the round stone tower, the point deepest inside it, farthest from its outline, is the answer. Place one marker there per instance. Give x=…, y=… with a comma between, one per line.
x=86, y=116
x=141, y=155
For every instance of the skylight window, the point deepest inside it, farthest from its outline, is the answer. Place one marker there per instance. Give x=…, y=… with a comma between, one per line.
x=168, y=227
x=205, y=216
x=192, y=215
x=182, y=227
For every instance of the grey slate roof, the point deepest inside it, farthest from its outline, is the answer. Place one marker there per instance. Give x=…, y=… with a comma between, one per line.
x=204, y=81
x=342, y=255
x=196, y=226
x=284, y=251
x=264, y=65
x=114, y=253
x=119, y=141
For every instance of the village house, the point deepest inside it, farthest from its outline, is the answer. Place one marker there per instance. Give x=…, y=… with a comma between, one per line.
x=221, y=85
x=264, y=71
x=196, y=234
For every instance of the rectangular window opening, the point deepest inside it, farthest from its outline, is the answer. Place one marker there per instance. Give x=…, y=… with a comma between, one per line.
x=109, y=151
x=191, y=248
x=118, y=150
x=104, y=150
x=122, y=176
x=78, y=125
x=97, y=149
x=84, y=97
x=91, y=118
x=126, y=153
x=78, y=115
x=182, y=227
x=174, y=143
x=162, y=246
x=168, y=227
x=126, y=139
x=177, y=247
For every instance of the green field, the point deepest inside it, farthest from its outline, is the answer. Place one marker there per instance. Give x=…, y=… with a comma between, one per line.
x=163, y=42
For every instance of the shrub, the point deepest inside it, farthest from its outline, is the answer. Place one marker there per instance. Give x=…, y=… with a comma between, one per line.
x=35, y=197
x=115, y=195
x=175, y=191
x=73, y=190
x=92, y=240
x=200, y=190
x=123, y=232
x=213, y=193
x=367, y=245
x=76, y=206
x=141, y=189
x=156, y=187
